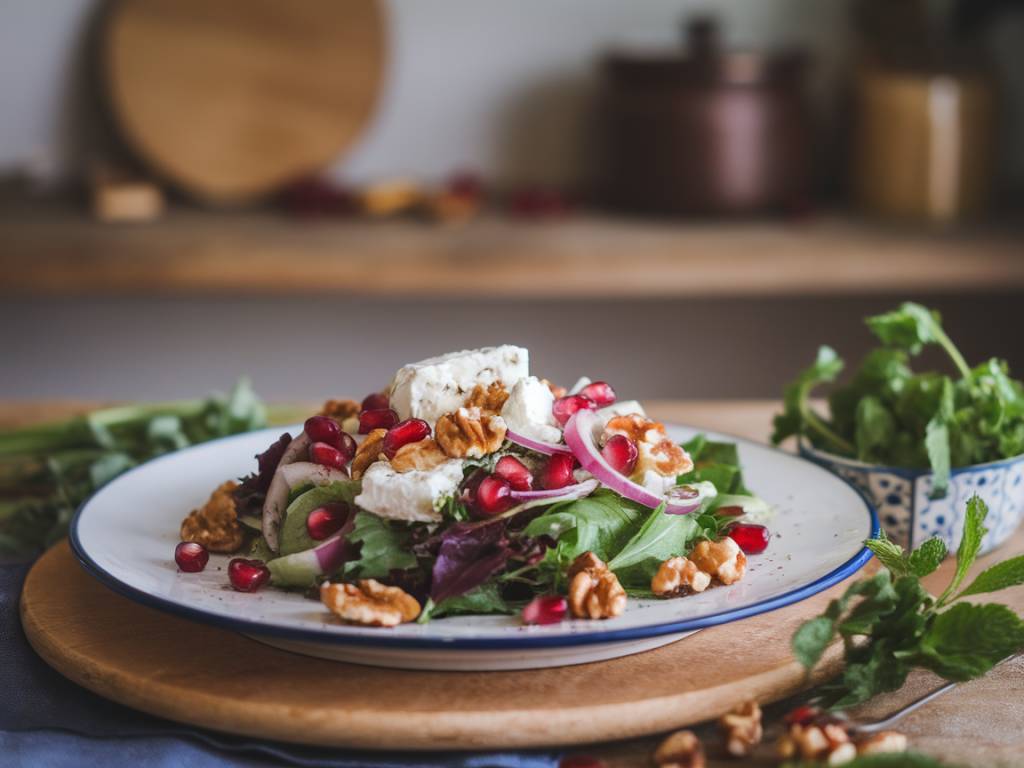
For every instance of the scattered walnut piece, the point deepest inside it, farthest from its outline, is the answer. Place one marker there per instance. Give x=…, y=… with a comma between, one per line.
x=339, y=410
x=368, y=452
x=594, y=591
x=825, y=740
x=742, y=728
x=423, y=454
x=882, y=742
x=369, y=602
x=556, y=390
x=656, y=450
x=469, y=433
x=681, y=749
x=215, y=524
x=723, y=559
x=679, y=576
x=489, y=400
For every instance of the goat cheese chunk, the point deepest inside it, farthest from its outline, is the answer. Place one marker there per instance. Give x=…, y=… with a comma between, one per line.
x=413, y=496
x=431, y=388
x=528, y=411
x=619, y=408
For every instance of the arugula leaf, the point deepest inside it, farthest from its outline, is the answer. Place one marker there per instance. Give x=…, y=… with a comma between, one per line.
x=483, y=600
x=661, y=537
x=384, y=548
x=970, y=543
x=968, y=640
x=1009, y=573
x=600, y=523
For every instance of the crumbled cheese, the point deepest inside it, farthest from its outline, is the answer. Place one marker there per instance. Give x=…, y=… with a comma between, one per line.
x=620, y=408
x=528, y=411
x=412, y=496
x=431, y=388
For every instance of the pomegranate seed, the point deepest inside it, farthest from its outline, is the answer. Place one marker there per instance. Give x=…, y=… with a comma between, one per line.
x=347, y=445
x=191, y=556
x=753, y=539
x=323, y=429
x=376, y=401
x=565, y=407
x=621, y=453
x=514, y=472
x=549, y=609
x=600, y=392
x=581, y=761
x=493, y=496
x=376, y=418
x=247, y=575
x=802, y=715
x=326, y=520
x=327, y=455
x=557, y=472
x=403, y=433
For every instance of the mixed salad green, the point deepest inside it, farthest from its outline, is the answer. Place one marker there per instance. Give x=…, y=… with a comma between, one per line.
x=886, y=413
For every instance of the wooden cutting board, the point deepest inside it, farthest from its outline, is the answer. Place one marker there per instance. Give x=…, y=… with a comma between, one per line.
x=197, y=674
x=231, y=99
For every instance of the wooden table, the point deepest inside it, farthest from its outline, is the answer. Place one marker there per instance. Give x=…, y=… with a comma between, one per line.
x=979, y=723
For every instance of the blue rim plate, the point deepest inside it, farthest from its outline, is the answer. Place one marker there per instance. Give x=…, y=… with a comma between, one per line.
x=125, y=534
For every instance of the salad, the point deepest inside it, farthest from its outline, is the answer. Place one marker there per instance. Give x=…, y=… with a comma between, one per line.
x=470, y=486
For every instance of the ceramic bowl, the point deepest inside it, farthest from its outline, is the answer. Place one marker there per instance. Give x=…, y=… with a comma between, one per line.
x=908, y=513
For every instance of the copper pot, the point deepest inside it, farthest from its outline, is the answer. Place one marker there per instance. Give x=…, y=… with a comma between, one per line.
x=707, y=132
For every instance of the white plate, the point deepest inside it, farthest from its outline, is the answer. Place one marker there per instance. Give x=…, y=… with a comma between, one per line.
x=126, y=534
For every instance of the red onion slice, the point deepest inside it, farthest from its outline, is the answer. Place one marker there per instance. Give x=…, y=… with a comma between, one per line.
x=568, y=493
x=539, y=446
x=579, y=436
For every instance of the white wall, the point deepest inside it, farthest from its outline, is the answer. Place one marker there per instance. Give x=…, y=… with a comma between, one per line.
x=498, y=87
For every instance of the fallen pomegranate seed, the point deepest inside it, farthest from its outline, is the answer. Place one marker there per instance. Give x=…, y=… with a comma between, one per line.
x=581, y=761
x=323, y=429
x=326, y=520
x=465, y=184
x=600, y=392
x=753, y=539
x=621, y=453
x=247, y=575
x=514, y=472
x=549, y=609
x=565, y=407
x=802, y=715
x=376, y=418
x=493, y=496
x=327, y=455
x=403, y=433
x=191, y=556
x=557, y=472
x=376, y=401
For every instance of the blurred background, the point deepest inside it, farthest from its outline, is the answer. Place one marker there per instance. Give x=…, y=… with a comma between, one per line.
x=685, y=198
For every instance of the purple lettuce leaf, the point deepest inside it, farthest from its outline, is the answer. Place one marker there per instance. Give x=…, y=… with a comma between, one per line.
x=252, y=488
x=468, y=555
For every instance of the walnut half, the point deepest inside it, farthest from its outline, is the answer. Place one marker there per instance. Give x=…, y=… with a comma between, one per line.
x=368, y=452
x=469, y=433
x=723, y=559
x=370, y=603
x=489, y=400
x=679, y=576
x=215, y=524
x=594, y=591
x=742, y=728
x=681, y=749
x=423, y=454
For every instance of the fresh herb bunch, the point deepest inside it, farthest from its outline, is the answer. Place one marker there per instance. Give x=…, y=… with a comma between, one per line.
x=890, y=624
x=887, y=414
x=47, y=471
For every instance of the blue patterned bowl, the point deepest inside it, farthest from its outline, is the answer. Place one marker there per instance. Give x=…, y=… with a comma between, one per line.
x=910, y=517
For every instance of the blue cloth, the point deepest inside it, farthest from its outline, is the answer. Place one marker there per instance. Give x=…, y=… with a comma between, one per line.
x=46, y=721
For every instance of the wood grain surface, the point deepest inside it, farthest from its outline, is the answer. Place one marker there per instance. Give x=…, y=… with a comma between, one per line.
x=231, y=99
x=53, y=250
x=210, y=677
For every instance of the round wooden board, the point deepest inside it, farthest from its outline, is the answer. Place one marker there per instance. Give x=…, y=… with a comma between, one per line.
x=232, y=99
x=213, y=678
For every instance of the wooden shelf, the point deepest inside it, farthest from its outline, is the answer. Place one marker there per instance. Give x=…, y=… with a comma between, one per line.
x=49, y=250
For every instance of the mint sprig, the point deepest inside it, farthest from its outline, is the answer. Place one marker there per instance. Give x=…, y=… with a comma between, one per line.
x=890, y=624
